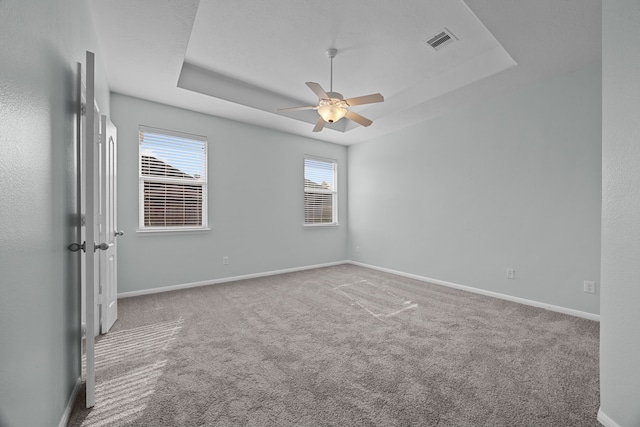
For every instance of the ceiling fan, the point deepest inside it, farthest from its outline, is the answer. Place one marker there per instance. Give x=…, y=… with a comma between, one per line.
x=332, y=106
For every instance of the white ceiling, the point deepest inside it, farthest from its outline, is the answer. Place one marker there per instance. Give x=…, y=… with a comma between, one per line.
x=245, y=59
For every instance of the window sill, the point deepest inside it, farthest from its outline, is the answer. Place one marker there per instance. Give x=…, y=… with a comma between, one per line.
x=331, y=225
x=175, y=231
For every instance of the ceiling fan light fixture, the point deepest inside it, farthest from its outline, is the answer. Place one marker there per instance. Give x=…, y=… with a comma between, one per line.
x=331, y=113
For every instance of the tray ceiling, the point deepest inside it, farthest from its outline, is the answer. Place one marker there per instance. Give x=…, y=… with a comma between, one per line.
x=244, y=60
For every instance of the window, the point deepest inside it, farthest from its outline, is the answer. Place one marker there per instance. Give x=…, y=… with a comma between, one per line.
x=320, y=191
x=173, y=180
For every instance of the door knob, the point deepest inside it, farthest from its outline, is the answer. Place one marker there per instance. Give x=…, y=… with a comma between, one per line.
x=75, y=247
x=102, y=246
x=118, y=233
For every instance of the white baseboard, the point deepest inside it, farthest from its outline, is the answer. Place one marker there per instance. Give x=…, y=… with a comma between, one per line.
x=564, y=310
x=605, y=420
x=224, y=280
x=72, y=399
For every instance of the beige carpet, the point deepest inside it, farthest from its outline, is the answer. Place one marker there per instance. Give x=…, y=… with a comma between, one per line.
x=341, y=346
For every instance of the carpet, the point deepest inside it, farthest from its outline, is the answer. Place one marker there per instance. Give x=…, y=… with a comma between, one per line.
x=341, y=346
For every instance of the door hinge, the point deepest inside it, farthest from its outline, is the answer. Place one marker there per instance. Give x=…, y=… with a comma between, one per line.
x=83, y=109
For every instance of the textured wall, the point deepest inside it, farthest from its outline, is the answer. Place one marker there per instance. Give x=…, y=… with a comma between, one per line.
x=255, y=202
x=620, y=305
x=40, y=45
x=513, y=183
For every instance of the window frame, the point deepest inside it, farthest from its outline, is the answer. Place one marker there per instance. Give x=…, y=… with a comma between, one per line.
x=202, y=181
x=333, y=192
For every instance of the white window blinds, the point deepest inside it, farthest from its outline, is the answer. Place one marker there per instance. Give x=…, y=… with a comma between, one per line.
x=320, y=191
x=173, y=180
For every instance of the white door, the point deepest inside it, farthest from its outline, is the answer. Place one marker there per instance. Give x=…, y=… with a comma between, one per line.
x=90, y=202
x=108, y=225
x=92, y=175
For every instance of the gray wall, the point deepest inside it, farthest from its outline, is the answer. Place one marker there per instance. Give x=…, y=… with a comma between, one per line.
x=512, y=183
x=40, y=44
x=620, y=304
x=255, y=202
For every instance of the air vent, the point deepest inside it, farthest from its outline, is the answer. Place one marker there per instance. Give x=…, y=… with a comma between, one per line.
x=442, y=39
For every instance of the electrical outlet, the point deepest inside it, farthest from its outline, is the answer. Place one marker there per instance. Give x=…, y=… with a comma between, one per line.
x=511, y=274
x=590, y=286
x=225, y=260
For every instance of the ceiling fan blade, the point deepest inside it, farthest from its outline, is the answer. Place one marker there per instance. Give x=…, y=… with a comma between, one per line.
x=310, y=107
x=317, y=89
x=319, y=125
x=367, y=99
x=358, y=118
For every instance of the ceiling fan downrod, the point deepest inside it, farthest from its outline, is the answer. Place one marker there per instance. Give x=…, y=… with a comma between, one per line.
x=331, y=53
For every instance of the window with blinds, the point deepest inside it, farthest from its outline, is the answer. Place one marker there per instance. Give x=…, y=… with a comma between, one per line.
x=320, y=191
x=173, y=180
